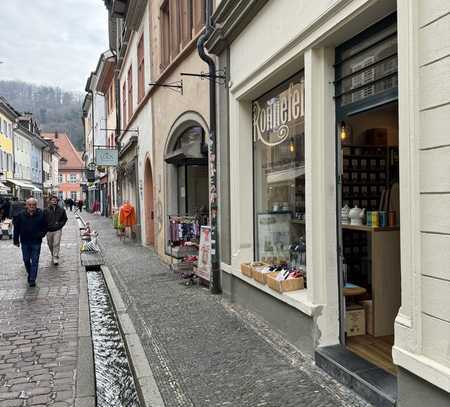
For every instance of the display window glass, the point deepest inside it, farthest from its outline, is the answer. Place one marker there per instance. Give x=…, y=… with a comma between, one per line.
x=279, y=175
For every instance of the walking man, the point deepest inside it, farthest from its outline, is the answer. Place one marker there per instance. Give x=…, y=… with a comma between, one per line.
x=56, y=218
x=30, y=227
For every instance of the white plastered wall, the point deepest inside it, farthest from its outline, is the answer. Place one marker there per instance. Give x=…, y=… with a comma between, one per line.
x=422, y=329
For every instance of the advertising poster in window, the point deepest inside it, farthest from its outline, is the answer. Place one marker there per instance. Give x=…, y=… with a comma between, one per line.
x=274, y=236
x=204, y=254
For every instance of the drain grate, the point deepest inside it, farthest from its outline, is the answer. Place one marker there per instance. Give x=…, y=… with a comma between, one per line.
x=114, y=381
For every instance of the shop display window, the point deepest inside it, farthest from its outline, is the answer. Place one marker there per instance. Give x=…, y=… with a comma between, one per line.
x=279, y=175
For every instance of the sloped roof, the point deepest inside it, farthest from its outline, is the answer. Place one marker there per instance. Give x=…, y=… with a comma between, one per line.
x=70, y=157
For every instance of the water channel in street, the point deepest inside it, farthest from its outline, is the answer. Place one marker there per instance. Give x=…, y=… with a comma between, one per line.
x=114, y=381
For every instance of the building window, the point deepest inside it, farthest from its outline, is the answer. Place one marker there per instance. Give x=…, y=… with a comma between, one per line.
x=181, y=20
x=73, y=178
x=124, y=104
x=130, y=92
x=165, y=35
x=279, y=175
x=60, y=178
x=141, y=69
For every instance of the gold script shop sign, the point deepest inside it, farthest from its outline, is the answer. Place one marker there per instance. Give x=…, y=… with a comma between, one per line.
x=278, y=112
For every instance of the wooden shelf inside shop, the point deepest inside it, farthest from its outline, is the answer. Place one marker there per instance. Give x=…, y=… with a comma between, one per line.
x=365, y=228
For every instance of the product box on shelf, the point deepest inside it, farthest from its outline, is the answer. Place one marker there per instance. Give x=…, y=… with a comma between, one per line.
x=355, y=320
x=292, y=284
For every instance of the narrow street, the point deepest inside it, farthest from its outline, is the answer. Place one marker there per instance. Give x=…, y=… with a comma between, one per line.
x=204, y=351
x=39, y=328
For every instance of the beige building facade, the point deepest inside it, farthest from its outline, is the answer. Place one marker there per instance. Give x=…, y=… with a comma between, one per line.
x=364, y=77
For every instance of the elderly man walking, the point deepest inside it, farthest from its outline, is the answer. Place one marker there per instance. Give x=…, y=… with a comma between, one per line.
x=30, y=226
x=56, y=219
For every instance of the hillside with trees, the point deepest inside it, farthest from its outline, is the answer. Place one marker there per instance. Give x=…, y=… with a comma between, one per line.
x=54, y=108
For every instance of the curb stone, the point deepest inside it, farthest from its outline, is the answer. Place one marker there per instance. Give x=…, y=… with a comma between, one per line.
x=145, y=380
x=85, y=381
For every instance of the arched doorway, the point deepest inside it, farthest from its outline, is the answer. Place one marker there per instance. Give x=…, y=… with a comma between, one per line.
x=149, y=205
x=186, y=172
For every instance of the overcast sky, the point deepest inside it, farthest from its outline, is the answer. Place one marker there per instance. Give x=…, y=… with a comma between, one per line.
x=52, y=42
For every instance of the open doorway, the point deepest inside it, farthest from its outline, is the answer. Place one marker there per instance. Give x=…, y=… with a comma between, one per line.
x=370, y=232
x=368, y=191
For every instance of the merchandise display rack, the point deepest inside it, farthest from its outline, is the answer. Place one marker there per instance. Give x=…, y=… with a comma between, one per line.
x=184, y=233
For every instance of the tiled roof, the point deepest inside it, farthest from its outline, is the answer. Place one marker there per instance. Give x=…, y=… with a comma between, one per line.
x=70, y=158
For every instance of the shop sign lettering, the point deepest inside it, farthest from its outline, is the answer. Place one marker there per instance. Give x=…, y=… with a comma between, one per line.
x=274, y=118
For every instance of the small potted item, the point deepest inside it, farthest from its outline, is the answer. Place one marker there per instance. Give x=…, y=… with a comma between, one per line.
x=356, y=216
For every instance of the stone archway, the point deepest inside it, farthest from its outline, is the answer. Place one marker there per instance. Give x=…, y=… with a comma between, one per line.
x=149, y=204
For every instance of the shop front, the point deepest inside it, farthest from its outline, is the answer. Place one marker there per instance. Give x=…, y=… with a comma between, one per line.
x=127, y=183
x=316, y=180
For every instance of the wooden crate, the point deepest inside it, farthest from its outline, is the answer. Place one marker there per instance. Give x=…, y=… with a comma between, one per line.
x=258, y=276
x=292, y=284
x=246, y=269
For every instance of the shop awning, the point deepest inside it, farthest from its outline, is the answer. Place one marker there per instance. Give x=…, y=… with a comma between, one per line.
x=4, y=188
x=21, y=184
x=36, y=189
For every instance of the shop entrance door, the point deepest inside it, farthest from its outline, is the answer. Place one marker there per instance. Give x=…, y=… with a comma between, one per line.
x=368, y=192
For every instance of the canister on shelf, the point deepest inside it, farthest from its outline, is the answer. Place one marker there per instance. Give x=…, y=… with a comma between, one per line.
x=392, y=220
x=383, y=219
x=369, y=218
x=375, y=219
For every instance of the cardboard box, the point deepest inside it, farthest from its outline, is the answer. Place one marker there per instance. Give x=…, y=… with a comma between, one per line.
x=292, y=284
x=368, y=308
x=355, y=320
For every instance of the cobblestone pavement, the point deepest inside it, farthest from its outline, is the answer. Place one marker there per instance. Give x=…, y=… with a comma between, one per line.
x=39, y=326
x=204, y=351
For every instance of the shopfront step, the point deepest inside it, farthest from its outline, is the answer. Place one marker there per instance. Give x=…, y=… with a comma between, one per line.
x=370, y=382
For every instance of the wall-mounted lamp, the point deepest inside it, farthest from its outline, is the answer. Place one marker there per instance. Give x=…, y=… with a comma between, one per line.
x=291, y=145
x=343, y=131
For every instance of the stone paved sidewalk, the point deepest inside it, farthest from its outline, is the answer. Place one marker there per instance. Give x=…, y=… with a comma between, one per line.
x=204, y=351
x=39, y=326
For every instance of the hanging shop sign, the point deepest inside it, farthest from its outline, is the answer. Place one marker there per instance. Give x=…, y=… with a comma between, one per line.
x=90, y=175
x=106, y=157
x=204, y=254
x=277, y=113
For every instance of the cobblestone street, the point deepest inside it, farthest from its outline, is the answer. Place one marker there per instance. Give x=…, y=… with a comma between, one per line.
x=204, y=351
x=39, y=326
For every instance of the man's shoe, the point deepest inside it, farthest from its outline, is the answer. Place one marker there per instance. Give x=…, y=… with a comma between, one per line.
x=55, y=261
x=32, y=283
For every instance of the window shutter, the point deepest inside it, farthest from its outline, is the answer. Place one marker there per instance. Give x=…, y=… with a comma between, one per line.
x=174, y=14
x=199, y=14
x=186, y=21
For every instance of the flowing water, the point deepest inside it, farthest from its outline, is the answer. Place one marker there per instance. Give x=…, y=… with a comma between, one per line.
x=114, y=381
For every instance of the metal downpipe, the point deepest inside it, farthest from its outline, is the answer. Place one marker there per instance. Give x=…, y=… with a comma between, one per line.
x=212, y=152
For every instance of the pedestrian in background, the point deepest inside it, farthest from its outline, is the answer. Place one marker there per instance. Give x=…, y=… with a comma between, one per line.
x=80, y=205
x=56, y=218
x=30, y=226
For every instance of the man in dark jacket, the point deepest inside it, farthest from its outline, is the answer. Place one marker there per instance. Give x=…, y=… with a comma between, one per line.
x=56, y=218
x=30, y=227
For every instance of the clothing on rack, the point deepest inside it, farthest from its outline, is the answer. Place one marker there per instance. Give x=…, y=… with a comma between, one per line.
x=127, y=215
x=183, y=229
